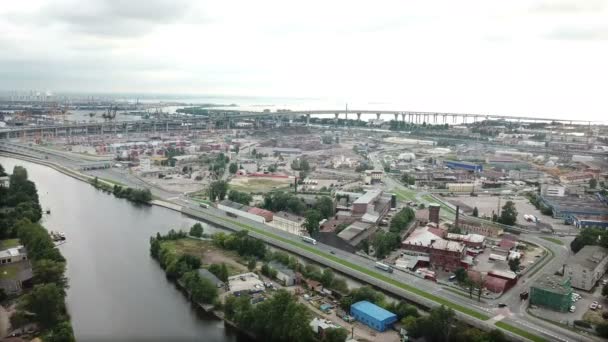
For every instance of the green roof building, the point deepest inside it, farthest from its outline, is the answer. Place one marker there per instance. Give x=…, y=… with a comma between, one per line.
x=553, y=292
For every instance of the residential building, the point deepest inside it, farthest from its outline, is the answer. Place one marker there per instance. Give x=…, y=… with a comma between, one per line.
x=551, y=291
x=586, y=267
x=479, y=228
x=460, y=187
x=288, y=222
x=576, y=177
x=285, y=275
x=372, y=315
x=320, y=325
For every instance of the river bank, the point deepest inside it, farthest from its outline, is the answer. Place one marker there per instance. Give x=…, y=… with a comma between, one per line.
x=109, y=268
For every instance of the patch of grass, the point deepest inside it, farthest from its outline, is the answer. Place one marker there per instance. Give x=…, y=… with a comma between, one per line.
x=405, y=195
x=8, y=271
x=259, y=185
x=113, y=182
x=523, y=333
x=554, y=240
x=362, y=269
x=9, y=243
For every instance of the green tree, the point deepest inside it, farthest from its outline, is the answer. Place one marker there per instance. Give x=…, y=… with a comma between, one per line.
x=240, y=197
x=196, y=230
x=475, y=212
x=224, y=272
x=251, y=264
x=46, y=302
x=461, y=275
x=325, y=206
x=602, y=329
x=62, y=332
x=311, y=222
x=605, y=290
x=508, y=215
x=335, y=335
x=328, y=277
x=233, y=168
x=50, y=271
x=218, y=190
x=514, y=264
x=593, y=183
x=384, y=243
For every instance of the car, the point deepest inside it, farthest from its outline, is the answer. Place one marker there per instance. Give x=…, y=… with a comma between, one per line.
x=605, y=282
x=593, y=306
x=452, y=278
x=572, y=308
x=502, y=305
x=332, y=252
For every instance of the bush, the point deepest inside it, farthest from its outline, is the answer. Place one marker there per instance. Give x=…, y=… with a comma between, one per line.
x=583, y=324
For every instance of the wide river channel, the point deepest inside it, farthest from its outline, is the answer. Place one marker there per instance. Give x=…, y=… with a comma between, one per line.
x=117, y=291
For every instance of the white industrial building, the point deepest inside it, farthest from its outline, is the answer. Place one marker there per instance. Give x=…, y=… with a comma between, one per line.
x=288, y=222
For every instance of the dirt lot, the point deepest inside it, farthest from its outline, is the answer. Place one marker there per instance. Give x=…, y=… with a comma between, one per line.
x=487, y=204
x=208, y=253
x=258, y=185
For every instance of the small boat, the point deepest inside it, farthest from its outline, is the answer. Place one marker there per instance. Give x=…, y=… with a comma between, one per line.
x=57, y=236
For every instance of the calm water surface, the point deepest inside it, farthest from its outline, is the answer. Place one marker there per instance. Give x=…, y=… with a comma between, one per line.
x=117, y=291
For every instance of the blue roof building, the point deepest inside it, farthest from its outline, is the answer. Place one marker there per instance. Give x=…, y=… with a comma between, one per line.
x=372, y=315
x=462, y=165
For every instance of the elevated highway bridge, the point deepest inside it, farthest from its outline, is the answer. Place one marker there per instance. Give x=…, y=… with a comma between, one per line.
x=217, y=116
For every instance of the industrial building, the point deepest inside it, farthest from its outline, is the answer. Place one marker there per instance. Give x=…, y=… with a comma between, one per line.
x=373, y=176
x=569, y=206
x=285, y=275
x=462, y=165
x=434, y=213
x=372, y=315
x=362, y=204
x=469, y=240
x=551, y=291
x=587, y=267
x=429, y=241
x=582, y=221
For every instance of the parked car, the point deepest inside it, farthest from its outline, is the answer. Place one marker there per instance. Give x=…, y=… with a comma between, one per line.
x=502, y=305
x=572, y=308
x=593, y=306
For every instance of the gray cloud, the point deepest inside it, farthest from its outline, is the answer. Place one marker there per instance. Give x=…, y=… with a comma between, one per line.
x=114, y=18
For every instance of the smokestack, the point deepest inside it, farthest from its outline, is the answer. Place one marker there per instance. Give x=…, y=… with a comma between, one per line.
x=457, y=216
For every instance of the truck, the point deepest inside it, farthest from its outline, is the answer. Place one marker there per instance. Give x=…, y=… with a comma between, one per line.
x=309, y=240
x=384, y=267
x=204, y=205
x=231, y=214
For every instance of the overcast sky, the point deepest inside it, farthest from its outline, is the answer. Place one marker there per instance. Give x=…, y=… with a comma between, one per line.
x=530, y=57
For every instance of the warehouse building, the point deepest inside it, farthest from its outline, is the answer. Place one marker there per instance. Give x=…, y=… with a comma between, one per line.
x=372, y=315
x=364, y=203
x=587, y=267
x=582, y=221
x=551, y=291
x=462, y=165
x=570, y=206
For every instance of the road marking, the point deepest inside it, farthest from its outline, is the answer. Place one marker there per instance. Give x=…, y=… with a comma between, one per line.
x=541, y=330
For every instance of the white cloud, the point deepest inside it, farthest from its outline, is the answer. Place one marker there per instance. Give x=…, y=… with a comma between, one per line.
x=485, y=56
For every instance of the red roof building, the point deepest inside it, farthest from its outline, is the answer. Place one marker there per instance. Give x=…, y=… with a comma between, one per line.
x=267, y=215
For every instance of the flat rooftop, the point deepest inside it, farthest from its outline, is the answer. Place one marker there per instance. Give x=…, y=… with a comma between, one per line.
x=553, y=283
x=368, y=197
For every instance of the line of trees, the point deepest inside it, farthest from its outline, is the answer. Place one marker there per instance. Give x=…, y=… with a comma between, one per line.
x=131, y=194
x=19, y=201
x=44, y=304
x=240, y=242
x=402, y=220
x=240, y=197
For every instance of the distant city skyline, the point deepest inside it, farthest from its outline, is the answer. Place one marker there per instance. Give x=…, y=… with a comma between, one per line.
x=537, y=57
